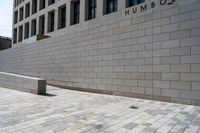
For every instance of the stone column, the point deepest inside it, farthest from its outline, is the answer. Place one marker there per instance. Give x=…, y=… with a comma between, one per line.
x=100, y=7
x=68, y=14
x=82, y=10
x=122, y=4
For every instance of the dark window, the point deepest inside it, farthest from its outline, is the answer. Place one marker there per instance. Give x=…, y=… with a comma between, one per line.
x=62, y=17
x=26, y=32
x=51, y=2
x=16, y=17
x=41, y=24
x=135, y=2
x=27, y=13
x=15, y=36
x=20, y=33
x=21, y=13
x=33, y=27
x=76, y=12
x=51, y=21
x=111, y=6
x=91, y=9
x=34, y=6
x=42, y=4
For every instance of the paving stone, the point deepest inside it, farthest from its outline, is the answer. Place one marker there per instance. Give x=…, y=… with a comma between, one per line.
x=67, y=111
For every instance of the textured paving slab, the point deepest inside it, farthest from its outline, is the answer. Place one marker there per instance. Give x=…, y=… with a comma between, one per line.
x=66, y=111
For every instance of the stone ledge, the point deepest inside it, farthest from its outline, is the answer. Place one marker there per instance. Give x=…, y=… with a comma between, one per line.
x=23, y=83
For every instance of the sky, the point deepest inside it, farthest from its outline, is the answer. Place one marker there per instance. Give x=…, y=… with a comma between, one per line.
x=6, y=9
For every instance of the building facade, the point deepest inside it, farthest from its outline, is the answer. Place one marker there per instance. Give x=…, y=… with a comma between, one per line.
x=146, y=49
x=48, y=17
x=5, y=43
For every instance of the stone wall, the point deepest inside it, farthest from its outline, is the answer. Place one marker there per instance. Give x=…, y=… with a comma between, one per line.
x=154, y=54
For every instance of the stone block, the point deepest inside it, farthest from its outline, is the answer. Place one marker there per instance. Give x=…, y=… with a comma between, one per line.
x=190, y=59
x=181, y=85
x=190, y=76
x=171, y=93
x=23, y=83
x=196, y=86
x=195, y=68
x=171, y=60
x=180, y=51
x=161, y=84
x=137, y=76
x=180, y=68
x=170, y=76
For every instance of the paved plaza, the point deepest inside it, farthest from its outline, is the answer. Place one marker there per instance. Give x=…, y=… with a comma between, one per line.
x=67, y=111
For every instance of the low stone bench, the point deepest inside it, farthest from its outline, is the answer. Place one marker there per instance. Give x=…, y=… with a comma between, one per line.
x=23, y=83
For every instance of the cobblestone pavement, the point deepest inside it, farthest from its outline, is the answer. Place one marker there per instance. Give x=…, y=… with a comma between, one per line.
x=66, y=111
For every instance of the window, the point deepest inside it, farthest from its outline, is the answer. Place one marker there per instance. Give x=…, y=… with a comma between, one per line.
x=51, y=21
x=34, y=6
x=27, y=13
x=20, y=33
x=16, y=17
x=33, y=27
x=41, y=24
x=26, y=32
x=75, y=7
x=51, y=2
x=15, y=36
x=134, y=2
x=62, y=17
x=42, y=4
x=111, y=6
x=21, y=13
x=91, y=9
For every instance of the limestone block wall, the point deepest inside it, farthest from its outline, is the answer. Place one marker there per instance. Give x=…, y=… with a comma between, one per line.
x=154, y=54
x=22, y=83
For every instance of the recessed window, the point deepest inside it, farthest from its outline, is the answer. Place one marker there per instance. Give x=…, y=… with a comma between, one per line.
x=41, y=24
x=26, y=32
x=15, y=36
x=42, y=4
x=75, y=12
x=91, y=9
x=21, y=13
x=51, y=20
x=33, y=27
x=111, y=6
x=15, y=17
x=62, y=17
x=27, y=13
x=20, y=33
x=34, y=6
x=134, y=2
x=51, y=2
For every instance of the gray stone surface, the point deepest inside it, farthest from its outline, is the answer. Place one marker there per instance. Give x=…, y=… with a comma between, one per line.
x=23, y=83
x=152, y=54
x=67, y=111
